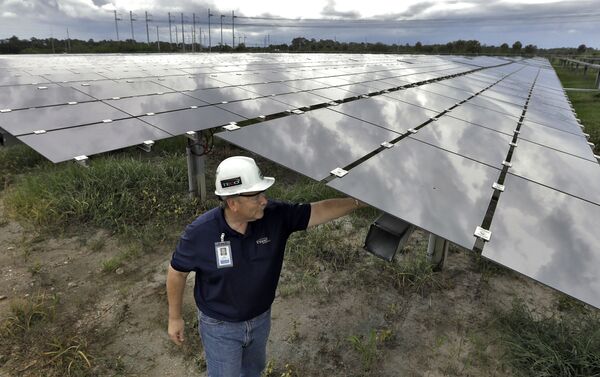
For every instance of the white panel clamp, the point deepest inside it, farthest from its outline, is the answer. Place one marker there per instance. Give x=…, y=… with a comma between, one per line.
x=506, y=163
x=339, y=172
x=484, y=234
x=517, y=132
x=192, y=135
x=106, y=120
x=5, y=111
x=224, y=102
x=412, y=130
x=591, y=144
x=297, y=111
x=262, y=117
x=42, y=87
x=597, y=157
x=498, y=186
x=39, y=132
x=85, y=84
x=115, y=98
x=146, y=146
x=512, y=144
x=193, y=107
x=82, y=160
x=387, y=144
x=333, y=103
x=150, y=114
x=231, y=127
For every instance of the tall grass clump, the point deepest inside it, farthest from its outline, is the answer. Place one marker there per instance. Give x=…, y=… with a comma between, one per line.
x=17, y=159
x=122, y=195
x=545, y=345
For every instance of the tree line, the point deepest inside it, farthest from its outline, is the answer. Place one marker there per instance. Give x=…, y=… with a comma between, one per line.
x=14, y=45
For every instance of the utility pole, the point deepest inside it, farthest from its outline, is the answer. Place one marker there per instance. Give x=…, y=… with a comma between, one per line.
x=182, y=35
x=170, y=33
x=176, y=36
x=193, y=32
x=117, y=24
x=209, y=41
x=68, y=44
x=131, y=19
x=222, y=16
x=233, y=17
x=147, y=32
x=157, y=39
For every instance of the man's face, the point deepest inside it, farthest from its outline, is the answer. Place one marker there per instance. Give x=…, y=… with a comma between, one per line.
x=251, y=205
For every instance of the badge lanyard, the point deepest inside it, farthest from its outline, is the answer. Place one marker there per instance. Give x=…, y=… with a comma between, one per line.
x=223, y=253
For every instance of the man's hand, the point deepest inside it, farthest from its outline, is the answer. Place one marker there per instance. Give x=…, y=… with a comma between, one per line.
x=176, y=330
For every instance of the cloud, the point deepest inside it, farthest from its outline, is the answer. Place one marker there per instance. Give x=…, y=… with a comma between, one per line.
x=329, y=11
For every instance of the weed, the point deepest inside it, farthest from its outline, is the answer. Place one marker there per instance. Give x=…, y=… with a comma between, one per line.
x=35, y=268
x=294, y=334
x=15, y=160
x=69, y=356
x=96, y=244
x=112, y=264
x=413, y=271
x=366, y=348
x=542, y=345
x=25, y=313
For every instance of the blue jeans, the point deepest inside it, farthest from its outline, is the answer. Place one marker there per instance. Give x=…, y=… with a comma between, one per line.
x=235, y=349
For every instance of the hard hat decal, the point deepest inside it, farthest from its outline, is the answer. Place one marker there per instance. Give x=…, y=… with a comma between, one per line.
x=231, y=182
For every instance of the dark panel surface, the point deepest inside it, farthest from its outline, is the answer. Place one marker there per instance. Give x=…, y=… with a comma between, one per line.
x=202, y=118
x=386, y=112
x=478, y=143
x=109, y=89
x=93, y=139
x=558, y=170
x=22, y=97
x=440, y=192
x=53, y=117
x=487, y=118
x=313, y=143
x=548, y=236
x=253, y=108
x=428, y=100
x=219, y=95
x=155, y=103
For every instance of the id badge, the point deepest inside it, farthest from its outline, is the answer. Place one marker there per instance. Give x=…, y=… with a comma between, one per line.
x=223, y=254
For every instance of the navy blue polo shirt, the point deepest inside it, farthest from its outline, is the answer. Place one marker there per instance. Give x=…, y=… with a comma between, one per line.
x=246, y=289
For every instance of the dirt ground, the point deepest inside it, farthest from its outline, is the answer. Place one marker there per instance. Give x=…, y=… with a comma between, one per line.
x=438, y=332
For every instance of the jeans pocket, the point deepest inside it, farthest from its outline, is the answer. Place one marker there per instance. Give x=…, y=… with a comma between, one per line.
x=209, y=320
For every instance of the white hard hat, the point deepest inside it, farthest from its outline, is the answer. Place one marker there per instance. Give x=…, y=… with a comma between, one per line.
x=237, y=175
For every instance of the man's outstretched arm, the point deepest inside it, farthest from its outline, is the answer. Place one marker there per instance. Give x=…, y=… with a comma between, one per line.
x=330, y=209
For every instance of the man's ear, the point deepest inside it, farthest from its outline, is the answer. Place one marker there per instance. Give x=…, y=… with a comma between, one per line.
x=232, y=204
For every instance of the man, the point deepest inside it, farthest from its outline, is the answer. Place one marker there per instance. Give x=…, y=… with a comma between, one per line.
x=237, y=251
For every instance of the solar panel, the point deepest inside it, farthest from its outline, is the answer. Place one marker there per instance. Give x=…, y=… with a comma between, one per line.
x=385, y=112
x=109, y=89
x=548, y=236
x=254, y=108
x=443, y=193
x=202, y=118
x=557, y=139
x=53, y=117
x=92, y=139
x=313, y=143
x=155, y=103
x=23, y=97
x=486, y=118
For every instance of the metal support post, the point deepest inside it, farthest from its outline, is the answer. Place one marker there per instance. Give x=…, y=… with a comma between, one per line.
x=196, y=162
x=598, y=79
x=437, y=250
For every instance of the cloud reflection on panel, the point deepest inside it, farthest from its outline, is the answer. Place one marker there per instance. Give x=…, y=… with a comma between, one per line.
x=558, y=170
x=313, y=143
x=548, y=236
x=471, y=141
x=435, y=190
x=387, y=112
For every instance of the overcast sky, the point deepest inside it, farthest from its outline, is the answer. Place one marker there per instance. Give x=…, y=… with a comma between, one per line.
x=545, y=23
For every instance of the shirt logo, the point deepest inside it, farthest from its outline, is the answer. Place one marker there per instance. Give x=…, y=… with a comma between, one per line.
x=263, y=241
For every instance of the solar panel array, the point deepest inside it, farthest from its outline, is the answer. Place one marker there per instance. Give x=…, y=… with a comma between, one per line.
x=448, y=144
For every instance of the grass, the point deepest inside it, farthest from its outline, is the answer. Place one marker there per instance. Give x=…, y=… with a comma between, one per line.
x=25, y=313
x=541, y=345
x=368, y=347
x=15, y=160
x=126, y=196
x=572, y=78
